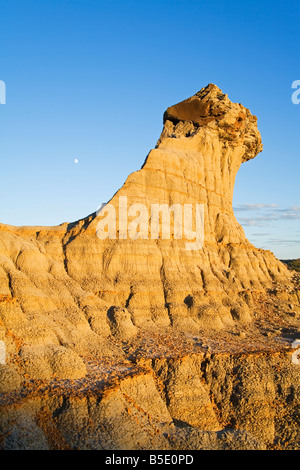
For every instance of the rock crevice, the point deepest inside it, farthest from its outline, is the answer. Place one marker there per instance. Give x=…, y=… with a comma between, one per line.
x=68, y=297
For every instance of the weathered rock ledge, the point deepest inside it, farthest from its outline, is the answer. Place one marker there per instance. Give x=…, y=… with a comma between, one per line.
x=203, y=400
x=142, y=343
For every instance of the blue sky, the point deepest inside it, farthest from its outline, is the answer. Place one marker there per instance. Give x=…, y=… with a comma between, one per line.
x=90, y=80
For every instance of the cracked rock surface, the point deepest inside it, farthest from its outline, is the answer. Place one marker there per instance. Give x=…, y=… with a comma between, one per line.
x=142, y=343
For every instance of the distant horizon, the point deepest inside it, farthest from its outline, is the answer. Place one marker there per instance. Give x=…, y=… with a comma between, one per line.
x=87, y=83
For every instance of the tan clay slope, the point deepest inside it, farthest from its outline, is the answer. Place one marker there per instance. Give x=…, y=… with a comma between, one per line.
x=195, y=161
x=66, y=294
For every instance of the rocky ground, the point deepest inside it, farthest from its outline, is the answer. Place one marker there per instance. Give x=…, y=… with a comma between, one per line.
x=143, y=343
x=170, y=390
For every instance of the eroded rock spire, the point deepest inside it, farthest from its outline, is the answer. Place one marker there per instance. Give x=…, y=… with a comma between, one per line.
x=66, y=292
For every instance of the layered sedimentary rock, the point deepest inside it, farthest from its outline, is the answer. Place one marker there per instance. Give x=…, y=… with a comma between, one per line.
x=70, y=294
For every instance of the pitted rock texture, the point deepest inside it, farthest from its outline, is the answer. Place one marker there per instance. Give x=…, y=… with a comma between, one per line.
x=68, y=297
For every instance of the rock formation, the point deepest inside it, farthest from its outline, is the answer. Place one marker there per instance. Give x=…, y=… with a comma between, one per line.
x=142, y=328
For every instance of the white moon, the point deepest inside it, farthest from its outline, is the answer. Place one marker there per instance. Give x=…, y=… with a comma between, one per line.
x=75, y=160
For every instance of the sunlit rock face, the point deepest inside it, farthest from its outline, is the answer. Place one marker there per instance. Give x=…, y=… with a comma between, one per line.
x=68, y=291
x=204, y=141
x=153, y=323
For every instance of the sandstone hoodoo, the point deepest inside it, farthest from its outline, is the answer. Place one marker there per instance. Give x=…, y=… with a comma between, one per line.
x=156, y=311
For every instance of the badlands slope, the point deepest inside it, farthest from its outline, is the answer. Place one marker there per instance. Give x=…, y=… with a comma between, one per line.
x=153, y=342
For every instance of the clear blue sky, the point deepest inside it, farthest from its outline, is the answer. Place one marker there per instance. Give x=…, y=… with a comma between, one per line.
x=90, y=80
